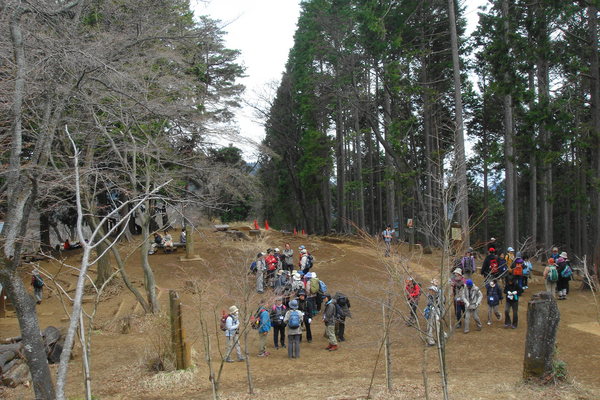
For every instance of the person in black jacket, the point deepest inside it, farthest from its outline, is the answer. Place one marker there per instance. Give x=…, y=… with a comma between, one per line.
x=485, y=267
x=340, y=324
x=513, y=293
x=494, y=297
x=562, y=286
x=308, y=309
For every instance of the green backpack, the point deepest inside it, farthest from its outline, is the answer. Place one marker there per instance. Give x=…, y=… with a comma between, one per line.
x=552, y=274
x=314, y=285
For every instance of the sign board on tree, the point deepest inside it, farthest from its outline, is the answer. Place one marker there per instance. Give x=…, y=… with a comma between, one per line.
x=456, y=234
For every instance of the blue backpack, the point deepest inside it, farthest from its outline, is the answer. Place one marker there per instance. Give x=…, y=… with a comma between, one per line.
x=294, y=321
x=253, y=267
x=567, y=272
x=322, y=286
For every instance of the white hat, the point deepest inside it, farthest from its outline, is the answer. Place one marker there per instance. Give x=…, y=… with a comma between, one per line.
x=279, y=272
x=492, y=239
x=296, y=276
x=301, y=247
x=563, y=255
x=303, y=251
x=434, y=288
x=314, y=274
x=276, y=250
x=309, y=275
x=458, y=271
x=510, y=249
x=233, y=309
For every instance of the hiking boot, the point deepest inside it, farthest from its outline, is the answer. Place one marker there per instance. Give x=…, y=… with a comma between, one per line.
x=333, y=348
x=489, y=322
x=507, y=325
x=479, y=328
x=283, y=345
x=342, y=339
x=241, y=359
x=276, y=347
x=513, y=327
x=229, y=360
x=467, y=331
x=328, y=347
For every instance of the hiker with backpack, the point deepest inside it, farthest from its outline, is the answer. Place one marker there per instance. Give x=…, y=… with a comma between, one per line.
x=516, y=270
x=432, y=313
x=38, y=285
x=312, y=289
x=294, y=319
x=472, y=297
x=387, y=235
x=231, y=325
x=277, y=314
x=261, y=267
x=513, y=293
x=486, y=267
x=329, y=318
x=306, y=261
x=527, y=270
x=318, y=287
x=288, y=258
x=551, y=277
x=263, y=328
x=343, y=307
x=494, y=297
x=467, y=263
x=412, y=291
x=565, y=273
x=297, y=283
x=458, y=282
x=308, y=311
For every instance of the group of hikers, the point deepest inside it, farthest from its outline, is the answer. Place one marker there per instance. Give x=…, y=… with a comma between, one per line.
x=165, y=241
x=505, y=277
x=300, y=296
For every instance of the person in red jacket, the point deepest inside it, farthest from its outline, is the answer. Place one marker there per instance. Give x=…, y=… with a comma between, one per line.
x=271, y=262
x=413, y=291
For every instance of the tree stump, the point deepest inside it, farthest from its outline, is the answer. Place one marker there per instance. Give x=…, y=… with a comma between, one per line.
x=543, y=317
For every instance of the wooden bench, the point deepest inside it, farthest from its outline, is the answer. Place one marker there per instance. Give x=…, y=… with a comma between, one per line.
x=166, y=250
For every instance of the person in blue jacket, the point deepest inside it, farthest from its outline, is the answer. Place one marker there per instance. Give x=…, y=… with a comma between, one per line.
x=263, y=329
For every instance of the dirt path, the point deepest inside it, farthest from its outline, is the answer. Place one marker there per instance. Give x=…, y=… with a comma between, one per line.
x=482, y=365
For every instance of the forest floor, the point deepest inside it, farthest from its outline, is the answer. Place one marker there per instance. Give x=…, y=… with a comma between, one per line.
x=483, y=364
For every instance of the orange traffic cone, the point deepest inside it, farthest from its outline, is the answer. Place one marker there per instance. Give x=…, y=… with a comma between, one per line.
x=266, y=225
x=256, y=225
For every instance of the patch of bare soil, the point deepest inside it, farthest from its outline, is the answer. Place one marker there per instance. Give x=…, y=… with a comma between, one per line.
x=482, y=365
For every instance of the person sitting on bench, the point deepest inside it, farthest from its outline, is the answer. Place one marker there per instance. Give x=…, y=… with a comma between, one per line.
x=168, y=241
x=182, y=236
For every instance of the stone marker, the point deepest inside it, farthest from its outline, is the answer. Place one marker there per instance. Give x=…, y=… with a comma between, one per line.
x=542, y=324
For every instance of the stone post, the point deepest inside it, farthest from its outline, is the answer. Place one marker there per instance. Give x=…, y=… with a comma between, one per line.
x=543, y=317
x=181, y=348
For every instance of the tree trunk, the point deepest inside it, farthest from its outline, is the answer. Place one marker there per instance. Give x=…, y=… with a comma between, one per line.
x=509, y=203
x=459, y=136
x=389, y=169
x=340, y=160
x=592, y=12
x=45, y=232
x=149, y=282
x=543, y=317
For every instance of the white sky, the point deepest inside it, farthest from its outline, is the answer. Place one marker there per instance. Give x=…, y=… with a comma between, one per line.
x=264, y=32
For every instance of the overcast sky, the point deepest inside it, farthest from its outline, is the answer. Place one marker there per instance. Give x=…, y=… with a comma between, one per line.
x=264, y=32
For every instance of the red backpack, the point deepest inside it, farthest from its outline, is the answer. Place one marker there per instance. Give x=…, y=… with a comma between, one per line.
x=494, y=266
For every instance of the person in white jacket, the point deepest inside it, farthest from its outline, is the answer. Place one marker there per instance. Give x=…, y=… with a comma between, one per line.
x=472, y=297
x=232, y=325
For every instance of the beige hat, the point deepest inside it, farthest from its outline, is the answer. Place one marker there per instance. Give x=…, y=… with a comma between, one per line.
x=458, y=271
x=296, y=276
x=233, y=310
x=563, y=254
x=279, y=272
